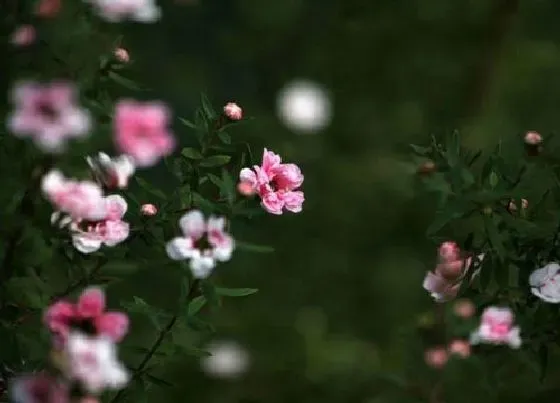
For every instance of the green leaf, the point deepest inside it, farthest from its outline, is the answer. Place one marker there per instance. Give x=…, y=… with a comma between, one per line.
x=158, y=381
x=125, y=82
x=253, y=248
x=196, y=305
x=215, y=161
x=199, y=325
x=236, y=292
x=452, y=211
x=419, y=150
x=493, y=179
x=119, y=267
x=494, y=236
x=150, y=189
x=25, y=291
x=188, y=123
x=191, y=153
x=210, y=294
x=224, y=137
x=207, y=107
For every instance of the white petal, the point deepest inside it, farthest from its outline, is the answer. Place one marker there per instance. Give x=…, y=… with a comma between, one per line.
x=216, y=224
x=85, y=243
x=179, y=248
x=222, y=254
x=553, y=299
x=192, y=224
x=202, y=266
x=514, y=340
x=54, y=217
x=52, y=181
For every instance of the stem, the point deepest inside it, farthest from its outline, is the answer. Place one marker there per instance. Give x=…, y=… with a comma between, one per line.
x=157, y=343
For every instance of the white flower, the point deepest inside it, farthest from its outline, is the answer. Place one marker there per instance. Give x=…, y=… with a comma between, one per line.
x=93, y=362
x=112, y=172
x=119, y=10
x=496, y=327
x=227, y=360
x=203, y=242
x=545, y=283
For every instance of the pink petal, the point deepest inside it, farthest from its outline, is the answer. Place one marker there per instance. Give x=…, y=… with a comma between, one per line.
x=91, y=303
x=113, y=325
x=58, y=316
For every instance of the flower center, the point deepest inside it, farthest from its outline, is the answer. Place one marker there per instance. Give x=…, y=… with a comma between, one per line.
x=45, y=109
x=86, y=326
x=202, y=243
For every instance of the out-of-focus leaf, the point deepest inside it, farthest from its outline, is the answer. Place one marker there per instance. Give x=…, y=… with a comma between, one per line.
x=224, y=137
x=196, y=305
x=125, y=82
x=158, y=381
x=419, y=150
x=495, y=238
x=253, y=248
x=191, y=153
x=119, y=267
x=452, y=211
x=215, y=161
x=235, y=292
x=150, y=189
x=188, y=123
x=207, y=107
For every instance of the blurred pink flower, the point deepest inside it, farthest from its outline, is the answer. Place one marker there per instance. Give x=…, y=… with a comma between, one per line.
x=203, y=242
x=24, y=35
x=121, y=54
x=141, y=131
x=545, y=283
x=82, y=200
x=48, y=114
x=145, y=11
x=48, y=8
x=533, y=138
x=93, y=362
x=233, y=111
x=112, y=172
x=461, y=348
x=148, y=210
x=39, y=388
x=464, y=308
x=87, y=315
x=275, y=183
x=436, y=357
x=89, y=236
x=449, y=251
x=496, y=327
x=246, y=189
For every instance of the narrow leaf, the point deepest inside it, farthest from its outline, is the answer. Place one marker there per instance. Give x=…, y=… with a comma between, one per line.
x=215, y=161
x=235, y=292
x=191, y=153
x=254, y=248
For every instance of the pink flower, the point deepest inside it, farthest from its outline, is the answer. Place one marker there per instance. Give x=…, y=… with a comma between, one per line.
x=148, y=210
x=89, y=236
x=449, y=251
x=233, y=111
x=93, y=362
x=121, y=55
x=496, y=327
x=533, y=138
x=436, y=357
x=48, y=8
x=203, y=242
x=461, y=348
x=24, y=35
x=464, y=308
x=48, y=114
x=88, y=315
x=144, y=11
x=112, y=172
x=141, y=131
x=39, y=388
x=82, y=200
x=275, y=183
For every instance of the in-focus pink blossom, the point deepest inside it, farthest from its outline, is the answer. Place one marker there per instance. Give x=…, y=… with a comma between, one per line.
x=93, y=362
x=48, y=8
x=24, y=35
x=233, y=111
x=496, y=327
x=48, y=114
x=148, y=210
x=145, y=11
x=89, y=236
x=533, y=138
x=276, y=184
x=141, y=131
x=39, y=388
x=464, y=308
x=112, y=172
x=436, y=357
x=461, y=348
x=88, y=315
x=121, y=54
x=82, y=200
x=203, y=243
x=545, y=283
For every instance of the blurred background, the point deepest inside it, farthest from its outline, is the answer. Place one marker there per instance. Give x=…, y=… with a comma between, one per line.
x=340, y=87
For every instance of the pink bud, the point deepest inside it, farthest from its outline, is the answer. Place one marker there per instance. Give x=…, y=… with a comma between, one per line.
x=449, y=251
x=121, y=55
x=24, y=35
x=450, y=270
x=232, y=111
x=461, y=348
x=533, y=138
x=464, y=308
x=148, y=210
x=245, y=188
x=436, y=357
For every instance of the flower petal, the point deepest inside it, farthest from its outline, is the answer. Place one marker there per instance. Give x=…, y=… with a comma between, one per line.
x=179, y=248
x=192, y=224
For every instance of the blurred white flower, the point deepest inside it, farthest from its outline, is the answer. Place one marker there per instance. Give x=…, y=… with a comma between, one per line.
x=304, y=106
x=227, y=360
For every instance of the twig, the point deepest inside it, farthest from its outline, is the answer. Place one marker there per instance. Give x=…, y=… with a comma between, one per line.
x=161, y=336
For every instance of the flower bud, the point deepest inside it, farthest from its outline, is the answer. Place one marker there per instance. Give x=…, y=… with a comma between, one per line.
x=233, y=111
x=461, y=348
x=436, y=357
x=533, y=138
x=450, y=270
x=121, y=55
x=464, y=309
x=24, y=35
x=148, y=210
x=427, y=168
x=245, y=188
x=449, y=251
